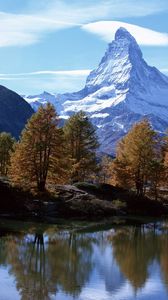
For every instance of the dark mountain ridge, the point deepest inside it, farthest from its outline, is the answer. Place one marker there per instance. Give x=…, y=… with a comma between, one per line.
x=14, y=112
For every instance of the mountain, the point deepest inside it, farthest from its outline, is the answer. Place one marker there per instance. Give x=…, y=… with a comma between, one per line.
x=42, y=99
x=14, y=112
x=122, y=90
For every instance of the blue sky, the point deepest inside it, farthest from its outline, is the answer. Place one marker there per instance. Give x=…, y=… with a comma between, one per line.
x=52, y=44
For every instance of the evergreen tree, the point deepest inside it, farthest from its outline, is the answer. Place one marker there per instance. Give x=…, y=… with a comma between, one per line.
x=82, y=144
x=6, y=148
x=138, y=154
x=39, y=156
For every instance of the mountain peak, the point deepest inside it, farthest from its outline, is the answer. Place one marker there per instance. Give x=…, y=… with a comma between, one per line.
x=123, y=33
x=122, y=90
x=124, y=39
x=122, y=56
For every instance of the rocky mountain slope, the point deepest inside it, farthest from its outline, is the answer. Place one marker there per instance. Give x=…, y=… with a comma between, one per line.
x=122, y=90
x=14, y=112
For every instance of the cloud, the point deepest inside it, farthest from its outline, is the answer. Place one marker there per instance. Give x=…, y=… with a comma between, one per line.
x=29, y=28
x=47, y=72
x=65, y=73
x=11, y=78
x=81, y=11
x=60, y=81
x=164, y=70
x=21, y=30
x=144, y=36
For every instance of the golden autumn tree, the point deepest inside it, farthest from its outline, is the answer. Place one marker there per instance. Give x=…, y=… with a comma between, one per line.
x=165, y=181
x=82, y=143
x=39, y=157
x=6, y=147
x=138, y=155
x=106, y=168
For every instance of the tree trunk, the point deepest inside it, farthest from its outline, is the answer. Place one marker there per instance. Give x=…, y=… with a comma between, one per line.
x=41, y=186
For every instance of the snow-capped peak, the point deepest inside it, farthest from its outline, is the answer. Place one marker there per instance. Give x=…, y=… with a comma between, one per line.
x=123, y=33
x=115, y=67
x=122, y=90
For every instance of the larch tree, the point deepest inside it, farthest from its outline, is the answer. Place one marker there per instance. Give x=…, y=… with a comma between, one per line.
x=165, y=153
x=105, y=170
x=39, y=157
x=82, y=143
x=6, y=147
x=157, y=173
x=138, y=155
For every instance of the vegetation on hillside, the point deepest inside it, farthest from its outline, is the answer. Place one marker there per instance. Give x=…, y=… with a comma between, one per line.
x=47, y=155
x=139, y=159
x=7, y=143
x=39, y=156
x=82, y=143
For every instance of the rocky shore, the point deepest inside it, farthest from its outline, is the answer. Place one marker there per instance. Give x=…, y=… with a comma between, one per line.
x=83, y=201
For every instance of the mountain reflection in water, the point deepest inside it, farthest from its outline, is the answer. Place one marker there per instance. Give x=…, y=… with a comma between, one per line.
x=121, y=263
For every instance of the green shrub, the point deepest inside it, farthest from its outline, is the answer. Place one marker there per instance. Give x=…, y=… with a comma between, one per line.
x=119, y=204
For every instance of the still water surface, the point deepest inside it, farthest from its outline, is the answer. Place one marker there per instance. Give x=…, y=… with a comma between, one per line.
x=77, y=262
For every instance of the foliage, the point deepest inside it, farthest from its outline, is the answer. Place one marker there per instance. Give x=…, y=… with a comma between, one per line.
x=118, y=204
x=138, y=158
x=157, y=172
x=6, y=147
x=39, y=156
x=82, y=144
x=105, y=170
x=165, y=153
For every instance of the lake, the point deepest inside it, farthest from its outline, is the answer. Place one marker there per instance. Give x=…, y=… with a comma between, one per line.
x=80, y=261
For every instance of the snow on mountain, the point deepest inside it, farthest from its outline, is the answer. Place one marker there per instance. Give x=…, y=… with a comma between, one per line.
x=42, y=99
x=122, y=90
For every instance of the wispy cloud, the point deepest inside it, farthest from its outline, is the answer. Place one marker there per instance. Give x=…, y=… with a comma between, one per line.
x=144, y=36
x=62, y=72
x=7, y=78
x=21, y=30
x=48, y=72
x=53, y=81
x=81, y=11
x=164, y=70
x=25, y=29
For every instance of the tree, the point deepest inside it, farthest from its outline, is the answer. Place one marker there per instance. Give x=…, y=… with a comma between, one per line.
x=6, y=148
x=82, y=144
x=138, y=153
x=105, y=172
x=157, y=171
x=165, y=153
x=39, y=156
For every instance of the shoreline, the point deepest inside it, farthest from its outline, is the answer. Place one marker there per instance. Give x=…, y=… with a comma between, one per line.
x=82, y=201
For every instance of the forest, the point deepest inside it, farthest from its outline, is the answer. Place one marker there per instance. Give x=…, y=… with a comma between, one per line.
x=47, y=155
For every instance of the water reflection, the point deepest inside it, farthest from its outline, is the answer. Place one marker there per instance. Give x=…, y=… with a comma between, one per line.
x=141, y=252
x=125, y=262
